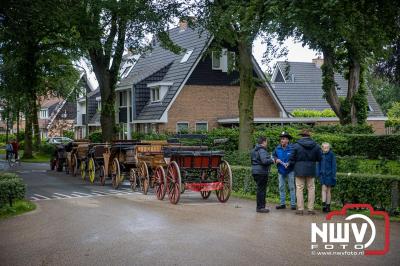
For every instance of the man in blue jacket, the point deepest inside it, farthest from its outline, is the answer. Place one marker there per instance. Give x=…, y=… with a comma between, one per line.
x=260, y=165
x=281, y=156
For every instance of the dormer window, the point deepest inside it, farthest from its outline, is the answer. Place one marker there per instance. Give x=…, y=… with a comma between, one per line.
x=158, y=90
x=155, y=94
x=43, y=114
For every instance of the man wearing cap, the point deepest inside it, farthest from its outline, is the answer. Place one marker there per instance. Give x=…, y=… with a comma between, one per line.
x=281, y=156
x=304, y=156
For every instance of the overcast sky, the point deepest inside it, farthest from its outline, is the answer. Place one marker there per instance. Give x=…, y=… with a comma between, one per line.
x=296, y=53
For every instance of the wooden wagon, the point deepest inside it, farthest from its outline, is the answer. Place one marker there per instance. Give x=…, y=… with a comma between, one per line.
x=121, y=160
x=197, y=169
x=97, y=162
x=79, y=156
x=58, y=158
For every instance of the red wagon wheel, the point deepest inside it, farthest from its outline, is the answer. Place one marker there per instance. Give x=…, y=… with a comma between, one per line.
x=173, y=182
x=102, y=175
x=204, y=194
x=115, y=173
x=132, y=179
x=143, y=175
x=160, y=182
x=224, y=176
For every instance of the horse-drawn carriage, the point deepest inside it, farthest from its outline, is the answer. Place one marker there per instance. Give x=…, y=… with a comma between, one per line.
x=77, y=157
x=59, y=158
x=97, y=162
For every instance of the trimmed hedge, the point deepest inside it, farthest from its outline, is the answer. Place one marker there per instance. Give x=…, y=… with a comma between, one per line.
x=47, y=148
x=350, y=188
x=11, y=187
x=95, y=137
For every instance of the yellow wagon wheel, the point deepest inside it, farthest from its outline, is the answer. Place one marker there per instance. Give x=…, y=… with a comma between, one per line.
x=143, y=175
x=115, y=173
x=83, y=169
x=91, y=170
x=74, y=165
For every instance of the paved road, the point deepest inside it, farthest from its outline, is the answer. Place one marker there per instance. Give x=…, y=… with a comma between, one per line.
x=133, y=229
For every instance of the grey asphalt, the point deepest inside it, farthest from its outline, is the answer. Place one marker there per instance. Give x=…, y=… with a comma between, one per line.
x=135, y=229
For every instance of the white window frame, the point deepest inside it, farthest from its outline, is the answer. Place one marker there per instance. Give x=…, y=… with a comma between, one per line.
x=123, y=99
x=201, y=122
x=44, y=111
x=181, y=122
x=153, y=99
x=214, y=57
x=186, y=56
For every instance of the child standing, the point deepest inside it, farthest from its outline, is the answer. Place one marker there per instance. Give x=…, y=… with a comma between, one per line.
x=326, y=171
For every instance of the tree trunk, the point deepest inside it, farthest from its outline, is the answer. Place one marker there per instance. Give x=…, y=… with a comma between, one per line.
x=246, y=96
x=35, y=122
x=18, y=120
x=328, y=84
x=28, y=152
x=353, y=85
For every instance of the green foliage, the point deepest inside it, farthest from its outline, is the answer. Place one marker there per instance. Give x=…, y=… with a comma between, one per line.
x=95, y=137
x=11, y=187
x=356, y=164
x=18, y=207
x=313, y=113
x=69, y=134
x=47, y=148
x=346, y=129
x=351, y=188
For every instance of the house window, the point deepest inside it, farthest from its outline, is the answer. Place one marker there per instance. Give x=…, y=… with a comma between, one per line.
x=122, y=98
x=370, y=109
x=43, y=114
x=155, y=94
x=186, y=56
x=216, y=60
x=231, y=60
x=99, y=106
x=201, y=126
x=182, y=127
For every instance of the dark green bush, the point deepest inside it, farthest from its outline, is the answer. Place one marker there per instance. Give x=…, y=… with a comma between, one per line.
x=69, y=134
x=350, y=188
x=347, y=129
x=47, y=148
x=11, y=187
x=3, y=137
x=95, y=137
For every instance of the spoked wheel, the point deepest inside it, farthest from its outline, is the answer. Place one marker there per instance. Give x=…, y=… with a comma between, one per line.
x=91, y=170
x=143, y=175
x=74, y=165
x=224, y=176
x=115, y=173
x=173, y=182
x=102, y=175
x=132, y=179
x=83, y=169
x=205, y=194
x=160, y=182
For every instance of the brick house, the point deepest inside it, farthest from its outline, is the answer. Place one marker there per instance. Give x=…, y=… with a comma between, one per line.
x=192, y=91
x=298, y=85
x=197, y=90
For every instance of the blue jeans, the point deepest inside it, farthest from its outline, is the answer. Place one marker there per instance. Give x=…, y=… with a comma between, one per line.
x=282, y=188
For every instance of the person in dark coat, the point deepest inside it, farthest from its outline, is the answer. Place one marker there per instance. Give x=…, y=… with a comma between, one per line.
x=306, y=153
x=326, y=171
x=281, y=156
x=261, y=163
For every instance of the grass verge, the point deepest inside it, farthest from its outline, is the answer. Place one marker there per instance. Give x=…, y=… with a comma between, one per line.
x=19, y=207
x=37, y=158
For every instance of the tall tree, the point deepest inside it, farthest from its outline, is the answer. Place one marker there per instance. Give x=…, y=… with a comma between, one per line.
x=348, y=33
x=106, y=29
x=238, y=23
x=38, y=38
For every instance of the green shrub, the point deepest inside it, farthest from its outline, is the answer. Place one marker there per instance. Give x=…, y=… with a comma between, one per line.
x=69, y=134
x=21, y=145
x=3, y=137
x=351, y=188
x=11, y=187
x=313, y=113
x=347, y=129
x=95, y=137
x=47, y=148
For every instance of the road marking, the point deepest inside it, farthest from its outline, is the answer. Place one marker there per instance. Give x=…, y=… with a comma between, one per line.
x=100, y=192
x=38, y=171
x=77, y=195
x=84, y=194
x=41, y=196
x=62, y=195
x=34, y=198
x=57, y=197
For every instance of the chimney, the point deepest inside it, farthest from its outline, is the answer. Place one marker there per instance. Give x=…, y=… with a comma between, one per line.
x=183, y=24
x=318, y=61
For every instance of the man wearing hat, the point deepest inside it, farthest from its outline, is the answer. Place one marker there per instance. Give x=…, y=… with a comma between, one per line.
x=304, y=156
x=281, y=156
